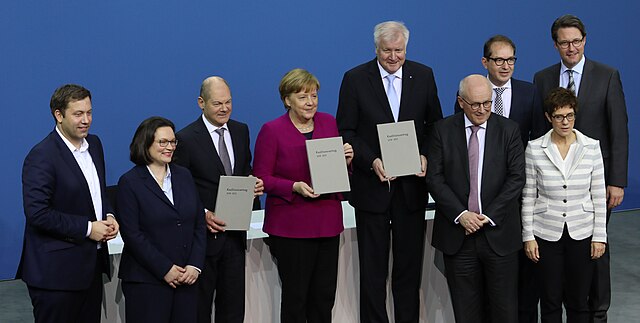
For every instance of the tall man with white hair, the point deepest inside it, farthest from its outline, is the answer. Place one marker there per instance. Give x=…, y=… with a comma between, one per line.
x=389, y=210
x=476, y=175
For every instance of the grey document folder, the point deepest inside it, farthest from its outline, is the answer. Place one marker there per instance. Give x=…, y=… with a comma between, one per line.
x=328, y=166
x=235, y=201
x=399, y=146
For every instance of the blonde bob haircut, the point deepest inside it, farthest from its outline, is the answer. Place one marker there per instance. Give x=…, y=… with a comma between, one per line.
x=295, y=81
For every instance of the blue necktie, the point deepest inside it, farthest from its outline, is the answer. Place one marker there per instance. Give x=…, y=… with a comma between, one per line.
x=392, y=96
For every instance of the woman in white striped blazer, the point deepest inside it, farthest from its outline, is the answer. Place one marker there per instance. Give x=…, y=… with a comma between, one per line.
x=564, y=210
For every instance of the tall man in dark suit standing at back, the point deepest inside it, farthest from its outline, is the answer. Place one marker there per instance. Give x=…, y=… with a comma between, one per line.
x=210, y=147
x=476, y=176
x=603, y=116
x=519, y=101
x=69, y=219
x=389, y=211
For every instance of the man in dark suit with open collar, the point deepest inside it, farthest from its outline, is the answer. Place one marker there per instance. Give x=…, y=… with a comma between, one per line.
x=387, y=89
x=603, y=116
x=200, y=150
x=69, y=218
x=477, y=191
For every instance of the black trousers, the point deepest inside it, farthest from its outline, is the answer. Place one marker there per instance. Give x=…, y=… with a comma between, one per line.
x=404, y=230
x=159, y=303
x=223, y=275
x=565, y=271
x=82, y=306
x=308, y=270
x=528, y=290
x=600, y=294
x=483, y=285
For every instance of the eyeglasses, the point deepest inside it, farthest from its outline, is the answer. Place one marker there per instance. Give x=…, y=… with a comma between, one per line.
x=164, y=143
x=560, y=118
x=500, y=61
x=476, y=105
x=565, y=43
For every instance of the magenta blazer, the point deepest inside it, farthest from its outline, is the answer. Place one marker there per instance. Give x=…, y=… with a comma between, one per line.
x=281, y=160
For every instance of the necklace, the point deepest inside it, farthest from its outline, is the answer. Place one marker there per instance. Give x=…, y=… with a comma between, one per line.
x=305, y=129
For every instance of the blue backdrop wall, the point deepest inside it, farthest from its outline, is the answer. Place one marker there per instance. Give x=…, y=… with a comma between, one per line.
x=148, y=58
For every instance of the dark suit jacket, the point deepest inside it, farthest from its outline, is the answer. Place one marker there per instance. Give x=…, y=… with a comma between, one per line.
x=602, y=113
x=362, y=105
x=158, y=234
x=56, y=253
x=197, y=152
x=526, y=110
x=502, y=182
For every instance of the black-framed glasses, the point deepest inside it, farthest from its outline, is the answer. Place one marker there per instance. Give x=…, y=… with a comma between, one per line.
x=476, y=105
x=560, y=118
x=164, y=143
x=565, y=43
x=500, y=61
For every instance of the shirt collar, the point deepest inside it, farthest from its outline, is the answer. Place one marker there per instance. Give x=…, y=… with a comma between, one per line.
x=83, y=146
x=167, y=176
x=468, y=123
x=210, y=127
x=577, y=69
x=506, y=85
x=384, y=73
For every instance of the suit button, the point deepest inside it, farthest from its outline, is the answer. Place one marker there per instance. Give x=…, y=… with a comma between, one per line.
x=564, y=186
x=564, y=214
x=565, y=200
x=184, y=246
x=179, y=223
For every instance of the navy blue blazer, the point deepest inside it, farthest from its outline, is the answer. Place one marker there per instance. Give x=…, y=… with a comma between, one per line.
x=56, y=253
x=158, y=234
x=526, y=110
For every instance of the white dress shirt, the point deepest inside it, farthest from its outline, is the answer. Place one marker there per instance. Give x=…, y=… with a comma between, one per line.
x=506, y=97
x=397, y=82
x=577, y=74
x=215, y=137
x=88, y=168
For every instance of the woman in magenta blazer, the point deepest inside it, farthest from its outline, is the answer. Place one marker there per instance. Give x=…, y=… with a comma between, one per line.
x=304, y=228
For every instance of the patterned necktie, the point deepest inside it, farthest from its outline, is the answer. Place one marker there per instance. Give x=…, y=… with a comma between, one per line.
x=392, y=96
x=223, y=152
x=473, y=204
x=499, y=106
x=571, y=86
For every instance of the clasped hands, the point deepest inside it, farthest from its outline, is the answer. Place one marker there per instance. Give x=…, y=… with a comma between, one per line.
x=472, y=222
x=181, y=276
x=105, y=230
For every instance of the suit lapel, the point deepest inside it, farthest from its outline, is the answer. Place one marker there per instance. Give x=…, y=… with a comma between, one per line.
x=585, y=83
x=460, y=142
x=70, y=161
x=407, y=88
x=152, y=185
x=378, y=89
x=546, y=148
x=208, y=151
x=237, y=139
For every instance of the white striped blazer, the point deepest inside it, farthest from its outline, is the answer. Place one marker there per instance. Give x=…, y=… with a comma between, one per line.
x=551, y=200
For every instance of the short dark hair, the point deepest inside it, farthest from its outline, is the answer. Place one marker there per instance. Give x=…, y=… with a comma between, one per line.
x=567, y=21
x=144, y=138
x=497, y=39
x=560, y=98
x=65, y=94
